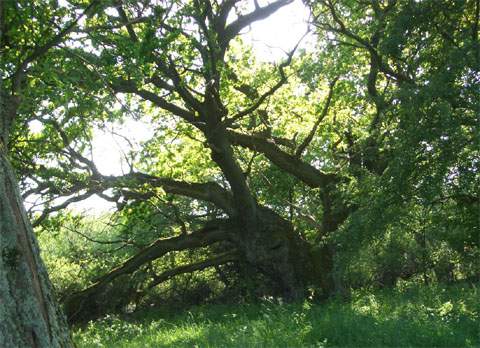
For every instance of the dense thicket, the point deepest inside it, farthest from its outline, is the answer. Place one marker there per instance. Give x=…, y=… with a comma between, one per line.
x=351, y=163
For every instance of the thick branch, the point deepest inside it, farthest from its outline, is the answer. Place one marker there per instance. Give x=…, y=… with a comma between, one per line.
x=213, y=232
x=124, y=86
x=234, y=28
x=193, y=267
x=209, y=191
x=200, y=238
x=292, y=164
x=123, y=15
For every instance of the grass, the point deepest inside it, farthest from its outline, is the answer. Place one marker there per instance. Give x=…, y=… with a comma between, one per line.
x=434, y=316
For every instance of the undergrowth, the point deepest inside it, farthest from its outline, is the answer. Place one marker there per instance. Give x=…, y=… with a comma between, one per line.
x=407, y=316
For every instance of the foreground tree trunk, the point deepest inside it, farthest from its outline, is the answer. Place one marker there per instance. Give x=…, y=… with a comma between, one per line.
x=29, y=316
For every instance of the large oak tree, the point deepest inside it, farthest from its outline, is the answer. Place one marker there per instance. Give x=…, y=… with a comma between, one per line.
x=342, y=143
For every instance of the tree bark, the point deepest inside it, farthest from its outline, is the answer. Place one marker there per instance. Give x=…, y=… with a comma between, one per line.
x=29, y=316
x=276, y=252
x=265, y=240
x=335, y=211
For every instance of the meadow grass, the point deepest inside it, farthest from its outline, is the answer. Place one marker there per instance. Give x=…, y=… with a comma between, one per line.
x=434, y=316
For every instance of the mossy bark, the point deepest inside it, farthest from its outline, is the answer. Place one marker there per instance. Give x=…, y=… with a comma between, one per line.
x=29, y=316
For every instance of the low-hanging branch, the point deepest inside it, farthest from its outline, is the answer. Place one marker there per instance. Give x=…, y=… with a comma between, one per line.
x=97, y=183
x=193, y=267
x=209, y=192
x=214, y=231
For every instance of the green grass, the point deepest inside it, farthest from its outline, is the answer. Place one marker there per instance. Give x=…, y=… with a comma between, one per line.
x=409, y=317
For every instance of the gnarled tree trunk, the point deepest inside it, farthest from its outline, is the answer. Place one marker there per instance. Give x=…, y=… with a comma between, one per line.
x=263, y=238
x=275, y=250
x=110, y=292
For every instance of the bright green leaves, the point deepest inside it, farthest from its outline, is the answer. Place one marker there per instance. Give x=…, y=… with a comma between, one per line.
x=178, y=153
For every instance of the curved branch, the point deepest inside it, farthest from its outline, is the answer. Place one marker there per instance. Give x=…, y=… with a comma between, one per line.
x=253, y=94
x=209, y=191
x=234, y=28
x=324, y=113
x=342, y=28
x=81, y=302
x=292, y=164
x=192, y=267
x=208, y=235
x=124, y=86
x=61, y=206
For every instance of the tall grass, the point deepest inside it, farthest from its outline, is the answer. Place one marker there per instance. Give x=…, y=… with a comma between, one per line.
x=434, y=316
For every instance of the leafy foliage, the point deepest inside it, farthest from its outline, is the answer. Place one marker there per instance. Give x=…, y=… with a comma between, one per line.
x=364, y=148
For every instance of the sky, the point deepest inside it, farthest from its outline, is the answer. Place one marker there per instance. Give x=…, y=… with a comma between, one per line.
x=271, y=39
x=279, y=33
